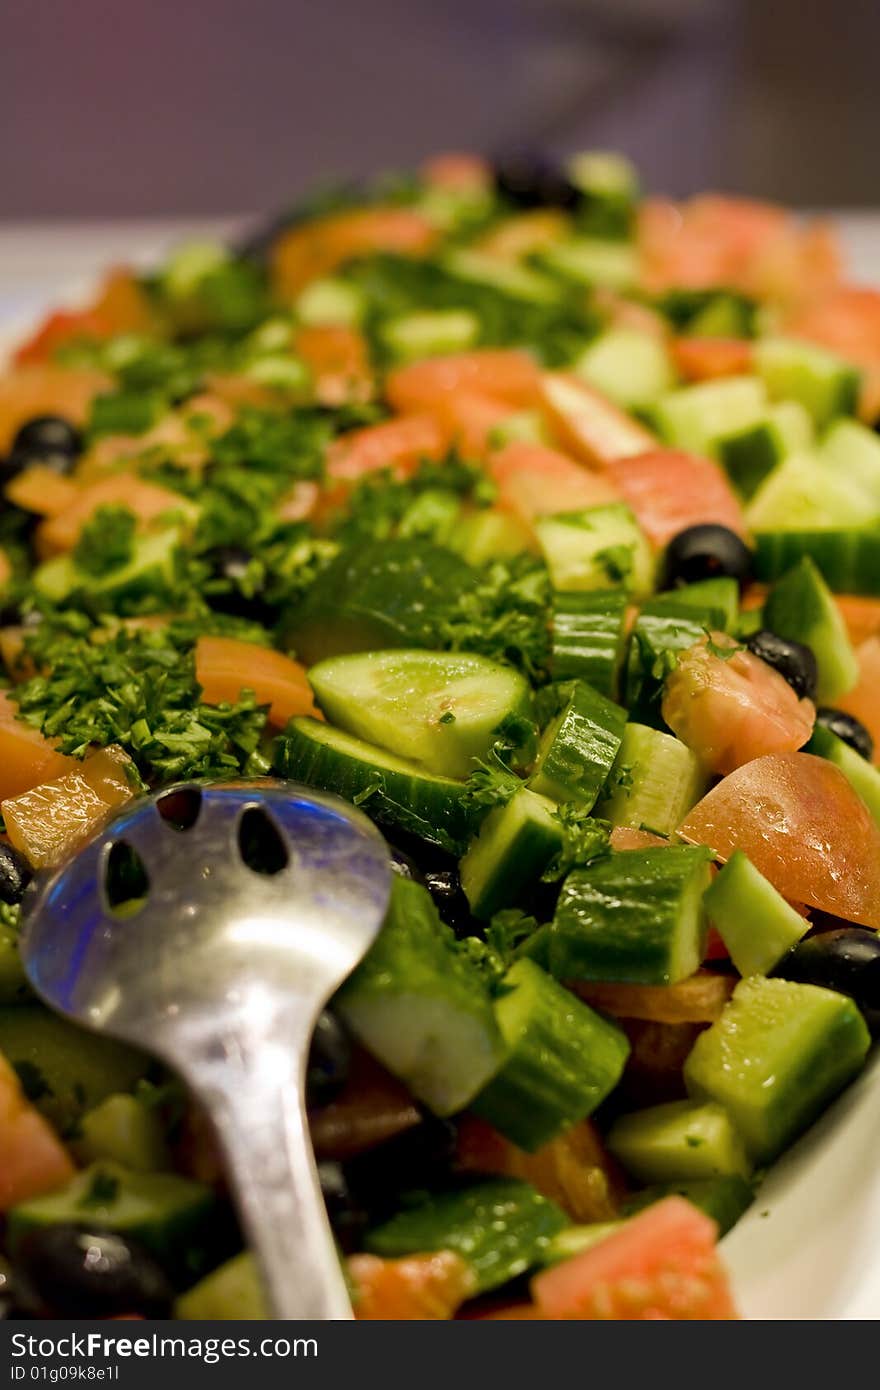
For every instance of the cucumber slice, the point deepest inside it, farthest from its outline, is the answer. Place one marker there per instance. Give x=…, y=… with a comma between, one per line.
x=514, y=846
x=231, y=1293
x=862, y=776
x=803, y=492
x=439, y=709
x=65, y=1070
x=563, y=1059
x=421, y=1008
x=593, y=261
x=800, y=606
x=749, y=454
x=654, y=782
x=578, y=748
x=774, y=1059
x=500, y=1227
x=633, y=369
x=713, y=602
x=822, y=382
x=489, y=535
x=682, y=1139
x=394, y=792
x=429, y=333
x=508, y=278
x=695, y=417
x=854, y=450
x=331, y=301
x=595, y=548
x=633, y=918
x=725, y=1200
x=126, y=1131
x=757, y=925
x=588, y=637
x=848, y=558
x=381, y=594
x=176, y=1219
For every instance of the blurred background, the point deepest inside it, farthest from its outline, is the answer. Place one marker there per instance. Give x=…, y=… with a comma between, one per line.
x=115, y=108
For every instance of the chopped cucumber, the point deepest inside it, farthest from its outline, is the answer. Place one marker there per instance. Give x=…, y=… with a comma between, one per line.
x=682, y=1139
x=749, y=454
x=514, y=845
x=151, y=568
x=575, y=1239
x=439, y=709
x=125, y=1130
x=595, y=548
x=631, y=368
x=500, y=1227
x=659, y=632
x=394, y=791
x=722, y=316
x=563, y=1059
x=421, y=1008
x=610, y=187
x=633, y=918
x=381, y=594
x=774, y=1059
x=862, y=776
x=521, y=426
x=430, y=333
x=723, y=1199
x=508, y=278
x=803, y=493
x=588, y=638
x=174, y=1218
x=489, y=534
x=435, y=513
x=331, y=301
x=801, y=607
x=847, y=557
x=854, y=450
x=593, y=261
x=654, y=782
x=578, y=748
x=231, y=1293
x=822, y=382
x=63, y=1069
x=695, y=417
x=757, y=925
x=714, y=602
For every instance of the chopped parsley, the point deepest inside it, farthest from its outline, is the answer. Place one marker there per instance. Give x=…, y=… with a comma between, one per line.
x=106, y=541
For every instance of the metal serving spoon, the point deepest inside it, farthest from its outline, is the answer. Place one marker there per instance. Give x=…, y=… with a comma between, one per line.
x=221, y=969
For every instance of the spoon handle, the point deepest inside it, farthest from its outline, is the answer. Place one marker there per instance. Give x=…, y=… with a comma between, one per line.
x=255, y=1093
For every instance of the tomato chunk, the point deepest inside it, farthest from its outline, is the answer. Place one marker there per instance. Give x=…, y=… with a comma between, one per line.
x=534, y=480
x=670, y=490
x=418, y=1287
x=26, y=757
x=706, y=359
x=225, y=666
x=400, y=445
x=507, y=375
x=864, y=699
x=32, y=1158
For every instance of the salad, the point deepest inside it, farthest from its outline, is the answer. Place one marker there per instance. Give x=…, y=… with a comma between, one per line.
x=541, y=521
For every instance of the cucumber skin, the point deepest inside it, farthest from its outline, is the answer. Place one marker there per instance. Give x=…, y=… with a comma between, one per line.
x=863, y=777
x=642, y=749
x=800, y=607
x=564, y=1059
x=740, y=1060
x=532, y=841
x=579, y=747
x=755, y=922
x=657, y=631
x=420, y=1008
x=632, y=918
x=500, y=1226
x=435, y=808
x=848, y=558
x=588, y=637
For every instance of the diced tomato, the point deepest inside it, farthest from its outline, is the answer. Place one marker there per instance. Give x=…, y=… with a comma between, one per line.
x=732, y=708
x=620, y=312
x=846, y=319
x=26, y=757
x=525, y=233
x=373, y=1106
x=469, y=421
x=506, y=374
x=225, y=666
x=457, y=171
x=534, y=480
x=661, y=1265
x=670, y=490
x=803, y=827
x=574, y=1170
x=400, y=445
x=148, y=501
x=429, y=1287
x=864, y=700
x=698, y=999
x=49, y=821
x=587, y=424
x=120, y=306
x=46, y=390
x=715, y=947
x=705, y=359
x=861, y=615
x=322, y=245
x=42, y=491
x=339, y=360
x=33, y=1160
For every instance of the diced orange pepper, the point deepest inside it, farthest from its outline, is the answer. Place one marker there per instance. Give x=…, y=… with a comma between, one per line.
x=322, y=245
x=429, y=1287
x=148, y=501
x=225, y=666
x=42, y=491
x=26, y=757
x=50, y=820
x=339, y=361
x=698, y=999
x=46, y=389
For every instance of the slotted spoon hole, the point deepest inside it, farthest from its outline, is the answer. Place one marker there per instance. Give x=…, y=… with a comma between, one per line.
x=180, y=808
x=126, y=882
x=260, y=843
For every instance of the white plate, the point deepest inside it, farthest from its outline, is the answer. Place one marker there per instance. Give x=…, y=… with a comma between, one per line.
x=809, y=1247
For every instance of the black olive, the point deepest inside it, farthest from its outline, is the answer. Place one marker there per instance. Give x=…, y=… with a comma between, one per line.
x=228, y=565
x=329, y=1061
x=846, y=960
x=848, y=728
x=794, y=661
x=73, y=1271
x=15, y=875
x=445, y=888
x=531, y=182
x=419, y=1157
x=48, y=434
x=706, y=552
x=19, y=460
x=346, y=1216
